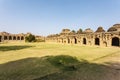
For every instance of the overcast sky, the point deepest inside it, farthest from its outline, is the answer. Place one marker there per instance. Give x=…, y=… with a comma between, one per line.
x=45, y=17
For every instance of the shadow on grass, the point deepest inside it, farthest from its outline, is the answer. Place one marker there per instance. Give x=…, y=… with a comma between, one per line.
x=16, y=47
x=60, y=67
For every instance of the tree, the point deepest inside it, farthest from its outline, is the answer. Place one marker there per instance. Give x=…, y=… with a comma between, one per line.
x=30, y=38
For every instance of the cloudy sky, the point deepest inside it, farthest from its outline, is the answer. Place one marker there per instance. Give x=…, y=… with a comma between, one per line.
x=45, y=17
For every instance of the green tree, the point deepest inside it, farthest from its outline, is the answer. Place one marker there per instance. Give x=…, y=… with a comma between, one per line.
x=30, y=38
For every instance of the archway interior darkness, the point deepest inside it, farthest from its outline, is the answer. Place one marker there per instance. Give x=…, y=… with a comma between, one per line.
x=14, y=38
x=97, y=41
x=68, y=40
x=84, y=41
x=115, y=41
x=10, y=37
x=62, y=40
x=18, y=38
x=75, y=41
x=0, y=38
x=22, y=38
x=5, y=37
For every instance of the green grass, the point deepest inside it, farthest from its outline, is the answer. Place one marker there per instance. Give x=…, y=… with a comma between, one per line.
x=48, y=61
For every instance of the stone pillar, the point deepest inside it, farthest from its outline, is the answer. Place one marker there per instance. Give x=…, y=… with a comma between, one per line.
x=2, y=38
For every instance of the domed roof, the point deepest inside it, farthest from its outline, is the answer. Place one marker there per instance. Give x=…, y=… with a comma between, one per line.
x=88, y=30
x=100, y=29
x=115, y=27
x=72, y=33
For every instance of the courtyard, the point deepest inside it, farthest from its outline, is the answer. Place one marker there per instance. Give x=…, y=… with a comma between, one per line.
x=25, y=61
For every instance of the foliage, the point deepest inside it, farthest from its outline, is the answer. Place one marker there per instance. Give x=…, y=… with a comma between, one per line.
x=30, y=38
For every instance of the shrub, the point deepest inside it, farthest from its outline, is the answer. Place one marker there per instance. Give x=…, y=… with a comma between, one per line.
x=30, y=38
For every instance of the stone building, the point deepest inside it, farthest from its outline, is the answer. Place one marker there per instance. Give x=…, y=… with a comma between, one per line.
x=100, y=37
x=8, y=37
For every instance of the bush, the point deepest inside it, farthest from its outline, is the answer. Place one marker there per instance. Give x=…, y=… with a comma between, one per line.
x=30, y=38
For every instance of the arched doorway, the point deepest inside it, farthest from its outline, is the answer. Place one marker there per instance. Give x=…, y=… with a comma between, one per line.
x=105, y=44
x=75, y=41
x=18, y=38
x=115, y=41
x=0, y=38
x=5, y=37
x=89, y=42
x=22, y=38
x=14, y=37
x=68, y=40
x=84, y=41
x=97, y=41
x=62, y=40
x=10, y=37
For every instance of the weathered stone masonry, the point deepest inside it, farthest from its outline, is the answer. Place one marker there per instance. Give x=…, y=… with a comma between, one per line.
x=7, y=37
x=88, y=37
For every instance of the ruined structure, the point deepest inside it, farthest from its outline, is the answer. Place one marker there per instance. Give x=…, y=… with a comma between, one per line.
x=100, y=37
x=8, y=37
x=88, y=37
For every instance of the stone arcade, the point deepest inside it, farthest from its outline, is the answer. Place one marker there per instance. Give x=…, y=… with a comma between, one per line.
x=7, y=37
x=88, y=37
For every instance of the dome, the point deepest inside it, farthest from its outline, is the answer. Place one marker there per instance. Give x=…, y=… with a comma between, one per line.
x=100, y=29
x=71, y=33
x=66, y=31
x=115, y=27
x=88, y=30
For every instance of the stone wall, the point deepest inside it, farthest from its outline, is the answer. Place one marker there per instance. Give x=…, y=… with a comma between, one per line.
x=99, y=38
x=7, y=37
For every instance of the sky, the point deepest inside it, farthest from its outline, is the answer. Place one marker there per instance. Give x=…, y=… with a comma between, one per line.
x=44, y=17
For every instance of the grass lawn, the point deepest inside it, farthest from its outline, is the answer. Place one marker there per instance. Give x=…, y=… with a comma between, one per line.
x=32, y=61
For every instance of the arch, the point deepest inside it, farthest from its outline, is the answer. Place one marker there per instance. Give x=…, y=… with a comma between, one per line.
x=105, y=43
x=68, y=40
x=10, y=37
x=89, y=42
x=0, y=38
x=75, y=41
x=84, y=41
x=62, y=40
x=97, y=41
x=14, y=37
x=22, y=38
x=115, y=41
x=79, y=41
x=18, y=38
x=5, y=37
